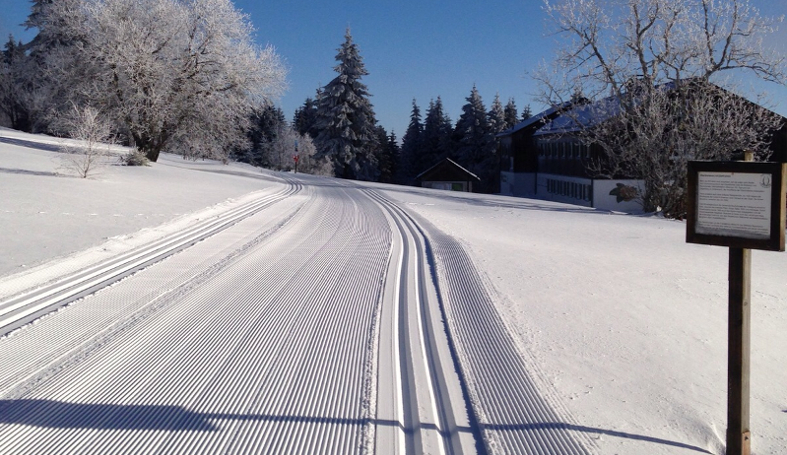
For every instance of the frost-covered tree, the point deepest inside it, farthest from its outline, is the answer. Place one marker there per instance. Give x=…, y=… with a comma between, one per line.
x=285, y=143
x=477, y=151
x=412, y=145
x=658, y=64
x=345, y=118
x=181, y=75
x=510, y=114
x=94, y=133
x=307, y=158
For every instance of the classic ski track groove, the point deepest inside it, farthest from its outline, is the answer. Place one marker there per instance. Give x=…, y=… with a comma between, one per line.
x=413, y=257
x=22, y=308
x=270, y=348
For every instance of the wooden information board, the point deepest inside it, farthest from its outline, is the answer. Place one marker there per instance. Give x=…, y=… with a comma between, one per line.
x=737, y=204
x=740, y=205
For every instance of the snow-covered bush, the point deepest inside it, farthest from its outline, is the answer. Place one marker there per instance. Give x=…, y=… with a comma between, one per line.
x=135, y=158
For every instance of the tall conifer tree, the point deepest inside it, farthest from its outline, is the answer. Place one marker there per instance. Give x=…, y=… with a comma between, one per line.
x=345, y=118
x=526, y=113
x=411, y=147
x=305, y=119
x=510, y=114
x=496, y=117
x=437, y=133
x=476, y=144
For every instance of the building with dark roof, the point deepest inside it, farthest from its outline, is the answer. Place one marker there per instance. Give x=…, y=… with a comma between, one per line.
x=447, y=175
x=541, y=157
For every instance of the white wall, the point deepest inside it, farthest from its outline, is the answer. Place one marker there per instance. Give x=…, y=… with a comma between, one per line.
x=604, y=201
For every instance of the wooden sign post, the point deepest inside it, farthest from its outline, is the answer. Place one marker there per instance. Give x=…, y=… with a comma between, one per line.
x=740, y=205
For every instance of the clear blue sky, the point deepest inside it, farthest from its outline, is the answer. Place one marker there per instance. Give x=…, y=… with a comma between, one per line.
x=412, y=48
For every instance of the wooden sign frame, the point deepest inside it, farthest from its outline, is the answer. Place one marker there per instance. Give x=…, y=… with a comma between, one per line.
x=775, y=241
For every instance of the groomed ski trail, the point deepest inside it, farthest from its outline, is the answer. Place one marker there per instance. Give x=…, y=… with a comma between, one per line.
x=268, y=354
x=331, y=321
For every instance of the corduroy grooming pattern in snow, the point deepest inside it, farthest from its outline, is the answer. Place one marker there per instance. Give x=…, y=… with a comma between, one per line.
x=267, y=350
x=513, y=415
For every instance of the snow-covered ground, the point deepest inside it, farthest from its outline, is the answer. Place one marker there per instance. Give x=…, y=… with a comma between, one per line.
x=620, y=324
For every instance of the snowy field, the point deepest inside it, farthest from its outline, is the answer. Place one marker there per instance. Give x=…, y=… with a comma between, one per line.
x=311, y=323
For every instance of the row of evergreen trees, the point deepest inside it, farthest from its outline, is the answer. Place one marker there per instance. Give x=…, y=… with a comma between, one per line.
x=342, y=124
x=471, y=142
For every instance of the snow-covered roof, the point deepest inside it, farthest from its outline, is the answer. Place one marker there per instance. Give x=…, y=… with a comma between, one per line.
x=587, y=115
x=582, y=116
x=450, y=161
x=534, y=119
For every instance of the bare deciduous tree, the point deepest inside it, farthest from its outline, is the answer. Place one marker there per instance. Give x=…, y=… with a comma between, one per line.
x=93, y=136
x=658, y=65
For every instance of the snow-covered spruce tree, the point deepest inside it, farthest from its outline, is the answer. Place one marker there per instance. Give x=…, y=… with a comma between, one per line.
x=510, y=115
x=181, y=75
x=345, y=118
x=496, y=117
x=655, y=62
x=411, y=148
x=437, y=134
x=477, y=150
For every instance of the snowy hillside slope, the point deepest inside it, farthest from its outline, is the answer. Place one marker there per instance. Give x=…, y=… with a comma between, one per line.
x=621, y=325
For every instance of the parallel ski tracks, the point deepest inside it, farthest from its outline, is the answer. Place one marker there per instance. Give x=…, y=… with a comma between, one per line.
x=430, y=405
x=274, y=351
x=514, y=414
x=26, y=306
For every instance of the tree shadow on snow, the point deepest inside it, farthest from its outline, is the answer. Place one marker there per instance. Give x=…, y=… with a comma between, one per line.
x=31, y=144
x=548, y=426
x=58, y=414
x=27, y=172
